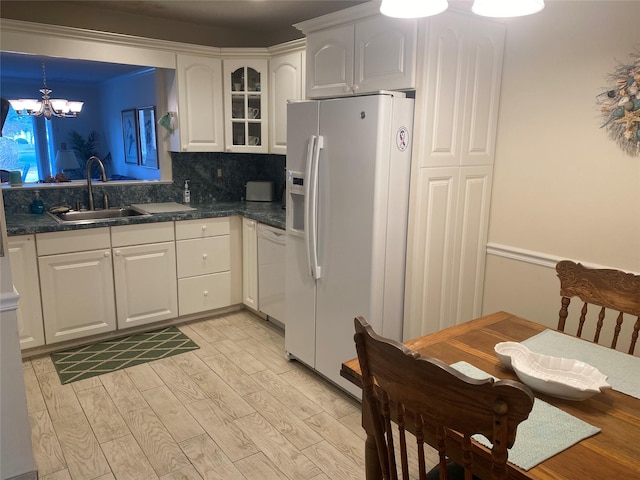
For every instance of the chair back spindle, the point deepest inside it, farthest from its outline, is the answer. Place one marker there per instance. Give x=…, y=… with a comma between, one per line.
x=605, y=294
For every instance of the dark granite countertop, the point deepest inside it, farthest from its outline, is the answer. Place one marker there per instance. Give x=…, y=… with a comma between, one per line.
x=270, y=213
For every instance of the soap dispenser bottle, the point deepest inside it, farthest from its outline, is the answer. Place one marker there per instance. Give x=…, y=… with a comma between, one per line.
x=37, y=206
x=187, y=193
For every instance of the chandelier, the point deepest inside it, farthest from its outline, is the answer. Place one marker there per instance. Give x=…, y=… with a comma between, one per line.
x=487, y=8
x=47, y=107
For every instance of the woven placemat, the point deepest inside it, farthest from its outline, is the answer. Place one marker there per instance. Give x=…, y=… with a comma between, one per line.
x=546, y=432
x=620, y=368
x=104, y=357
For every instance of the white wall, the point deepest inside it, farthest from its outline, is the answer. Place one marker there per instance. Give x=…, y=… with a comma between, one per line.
x=562, y=188
x=122, y=93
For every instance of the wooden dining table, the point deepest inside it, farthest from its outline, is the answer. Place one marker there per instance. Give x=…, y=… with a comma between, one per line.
x=612, y=453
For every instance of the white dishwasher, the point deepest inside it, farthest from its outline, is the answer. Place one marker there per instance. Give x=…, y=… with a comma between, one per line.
x=271, y=271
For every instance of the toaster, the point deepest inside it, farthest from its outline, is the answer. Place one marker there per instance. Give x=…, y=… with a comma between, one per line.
x=259, y=191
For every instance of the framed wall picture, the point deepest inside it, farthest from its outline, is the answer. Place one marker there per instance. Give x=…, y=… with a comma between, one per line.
x=147, y=136
x=130, y=136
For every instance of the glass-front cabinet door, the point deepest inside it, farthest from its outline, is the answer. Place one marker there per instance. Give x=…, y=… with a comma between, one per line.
x=246, y=116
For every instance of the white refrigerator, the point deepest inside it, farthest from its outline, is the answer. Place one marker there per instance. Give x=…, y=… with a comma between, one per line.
x=348, y=168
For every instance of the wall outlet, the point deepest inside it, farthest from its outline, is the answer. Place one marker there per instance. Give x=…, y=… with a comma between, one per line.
x=219, y=173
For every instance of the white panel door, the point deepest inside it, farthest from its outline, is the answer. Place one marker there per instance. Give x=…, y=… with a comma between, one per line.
x=441, y=103
x=77, y=294
x=200, y=104
x=462, y=89
x=250, y=263
x=472, y=220
x=24, y=272
x=385, y=54
x=286, y=75
x=484, y=50
x=146, y=285
x=429, y=264
x=330, y=62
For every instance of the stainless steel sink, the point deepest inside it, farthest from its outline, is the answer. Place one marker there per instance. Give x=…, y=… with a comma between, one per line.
x=89, y=216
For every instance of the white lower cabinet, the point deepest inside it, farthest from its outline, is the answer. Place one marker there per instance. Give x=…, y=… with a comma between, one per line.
x=24, y=272
x=250, y=264
x=76, y=287
x=144, y=273
x=97, y=280
x=203, y=249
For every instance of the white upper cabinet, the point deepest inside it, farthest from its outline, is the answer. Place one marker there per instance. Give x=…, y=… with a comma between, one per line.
x=286, y=75
x=200, y=105
x=246, y=105
x=330, y=62
x=385, y=54
x=347, y=55
x=461, y=91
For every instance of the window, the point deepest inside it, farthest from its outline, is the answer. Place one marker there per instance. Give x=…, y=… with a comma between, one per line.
x=27, y=143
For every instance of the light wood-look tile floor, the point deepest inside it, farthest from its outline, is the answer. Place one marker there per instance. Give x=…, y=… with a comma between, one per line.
x=233, y=409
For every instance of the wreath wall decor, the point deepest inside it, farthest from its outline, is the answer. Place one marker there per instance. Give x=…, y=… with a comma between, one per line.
x=620, y=105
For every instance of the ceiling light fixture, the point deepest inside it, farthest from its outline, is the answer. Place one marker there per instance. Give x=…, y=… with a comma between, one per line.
x=412, y=8
x=506, y=8
x=48, y=107
x=486, y=8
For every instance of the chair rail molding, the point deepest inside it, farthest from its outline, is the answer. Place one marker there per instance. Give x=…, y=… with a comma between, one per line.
x=536, y=258
x=9, y=300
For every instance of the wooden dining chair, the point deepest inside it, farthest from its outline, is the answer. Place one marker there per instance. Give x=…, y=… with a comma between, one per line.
x=601, y=290
x=440, y=405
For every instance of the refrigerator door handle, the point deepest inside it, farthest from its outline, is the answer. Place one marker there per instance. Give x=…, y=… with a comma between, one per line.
x=307, y=201
x=311, y=214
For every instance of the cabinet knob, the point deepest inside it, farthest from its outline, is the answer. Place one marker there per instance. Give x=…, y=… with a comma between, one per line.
x=118, y=252
x=184, y=148
x=206, y=292
x=204, y=255
x=106, y=254
x=355, y=88
x=204, y=227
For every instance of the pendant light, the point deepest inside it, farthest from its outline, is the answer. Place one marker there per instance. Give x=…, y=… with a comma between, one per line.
x=47, y=107
x=506, y=8
x=412, y=8
x=486, y=8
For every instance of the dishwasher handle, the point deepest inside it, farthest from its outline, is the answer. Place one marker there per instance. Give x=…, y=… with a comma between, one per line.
x=272, y=234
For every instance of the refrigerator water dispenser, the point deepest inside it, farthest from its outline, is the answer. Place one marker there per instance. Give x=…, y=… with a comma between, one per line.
x=295, y=202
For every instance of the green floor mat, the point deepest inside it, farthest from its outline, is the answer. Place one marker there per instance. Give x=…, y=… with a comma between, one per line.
x=91, y=360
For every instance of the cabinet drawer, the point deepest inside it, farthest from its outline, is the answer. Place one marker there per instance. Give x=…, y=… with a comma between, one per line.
x=123, y=235
x=206, y=292
x=203, y=255
x=52, y=243
x=201, y=228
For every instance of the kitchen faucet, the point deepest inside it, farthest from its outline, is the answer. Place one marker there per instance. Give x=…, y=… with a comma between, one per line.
x=89, y=186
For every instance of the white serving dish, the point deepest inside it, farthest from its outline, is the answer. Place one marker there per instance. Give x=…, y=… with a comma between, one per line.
x=560, y=377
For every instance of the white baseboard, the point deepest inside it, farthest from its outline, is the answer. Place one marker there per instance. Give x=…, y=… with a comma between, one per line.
x=33, y=475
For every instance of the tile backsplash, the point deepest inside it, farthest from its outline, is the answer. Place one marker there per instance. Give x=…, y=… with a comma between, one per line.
x=212, y=177
x=223, y=176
